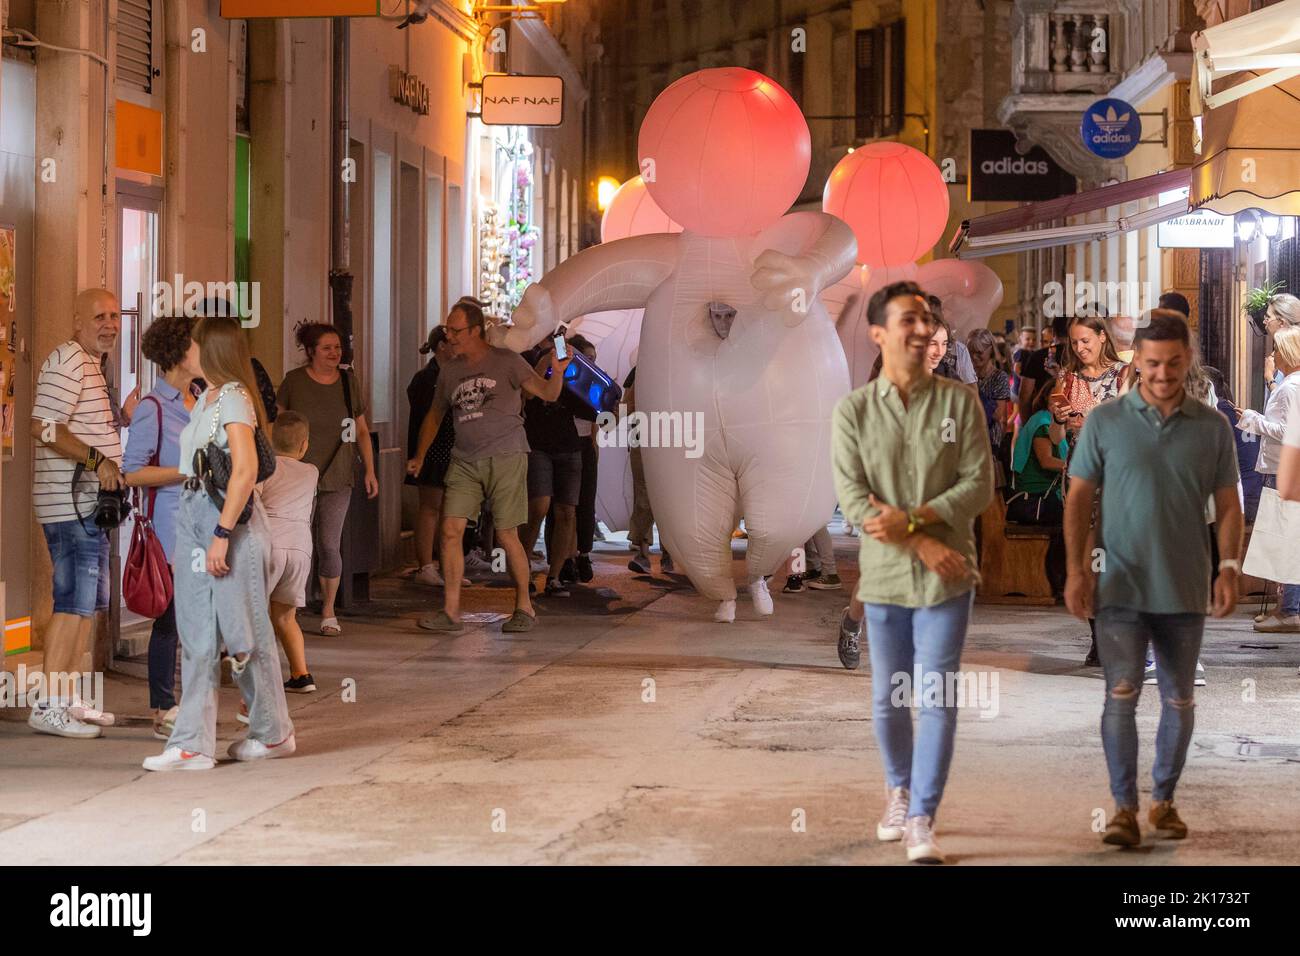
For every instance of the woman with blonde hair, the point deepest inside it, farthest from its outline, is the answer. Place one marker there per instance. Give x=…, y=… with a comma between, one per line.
x=1271, y=429
x=222, y=548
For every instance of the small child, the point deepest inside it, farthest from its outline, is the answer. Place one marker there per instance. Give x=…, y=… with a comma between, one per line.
x=288, y=497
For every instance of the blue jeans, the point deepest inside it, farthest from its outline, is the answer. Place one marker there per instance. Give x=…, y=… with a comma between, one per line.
x=1122, y=636
x=907, y=642
x=163, y=642
x=80, y=561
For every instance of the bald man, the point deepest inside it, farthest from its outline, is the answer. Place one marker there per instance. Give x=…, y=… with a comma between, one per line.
x=75, y=424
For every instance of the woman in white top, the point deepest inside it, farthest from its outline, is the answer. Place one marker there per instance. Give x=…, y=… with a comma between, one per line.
x=1271, y=429
x=222, y=555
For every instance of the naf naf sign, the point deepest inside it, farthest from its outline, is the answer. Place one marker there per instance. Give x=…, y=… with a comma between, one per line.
x=512, y=100
x=1111, y=128
x=1000, y=174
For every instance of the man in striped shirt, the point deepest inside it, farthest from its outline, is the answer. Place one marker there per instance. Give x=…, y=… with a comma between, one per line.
x=74, y=423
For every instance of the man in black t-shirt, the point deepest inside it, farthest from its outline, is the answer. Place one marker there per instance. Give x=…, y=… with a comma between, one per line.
x=554, y=477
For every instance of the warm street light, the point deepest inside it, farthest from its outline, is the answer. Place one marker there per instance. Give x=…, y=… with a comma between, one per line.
x=606, y=186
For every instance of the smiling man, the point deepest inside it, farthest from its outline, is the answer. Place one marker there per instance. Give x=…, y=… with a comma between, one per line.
x=1157, y=454
x=910, y=453
x=75, y=424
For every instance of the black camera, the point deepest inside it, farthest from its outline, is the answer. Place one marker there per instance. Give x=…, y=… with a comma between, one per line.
x=111, y=509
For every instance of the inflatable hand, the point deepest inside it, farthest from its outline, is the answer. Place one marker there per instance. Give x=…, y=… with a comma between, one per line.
x=531, y=321
x=788, y=283
x=971, y=292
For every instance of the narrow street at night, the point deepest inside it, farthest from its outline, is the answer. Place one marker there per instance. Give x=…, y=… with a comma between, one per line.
x=749, y=725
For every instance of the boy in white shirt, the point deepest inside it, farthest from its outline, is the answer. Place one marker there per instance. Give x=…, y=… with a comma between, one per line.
x=289, y=496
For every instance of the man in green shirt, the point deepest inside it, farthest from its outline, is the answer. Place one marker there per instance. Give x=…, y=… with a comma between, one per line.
x=910, y=453
x=1157, y=454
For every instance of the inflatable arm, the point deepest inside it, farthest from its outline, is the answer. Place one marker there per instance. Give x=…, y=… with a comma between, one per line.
x=807, y=252
x=612, y=275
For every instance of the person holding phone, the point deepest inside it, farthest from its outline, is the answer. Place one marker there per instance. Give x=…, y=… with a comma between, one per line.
x=1091, y=373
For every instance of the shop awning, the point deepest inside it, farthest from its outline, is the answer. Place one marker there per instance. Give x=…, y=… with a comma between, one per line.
x=1029, y=227
x=1251, y=152
x=1265, y=43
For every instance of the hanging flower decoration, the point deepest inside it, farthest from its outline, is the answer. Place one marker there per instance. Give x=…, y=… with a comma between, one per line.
x=507, y=236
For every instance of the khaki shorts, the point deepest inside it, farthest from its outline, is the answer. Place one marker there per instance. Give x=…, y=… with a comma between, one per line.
x=286, y=582
x=501, y=479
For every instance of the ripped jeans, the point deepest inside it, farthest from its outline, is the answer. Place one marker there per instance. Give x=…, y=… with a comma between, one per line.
x=1122, y=636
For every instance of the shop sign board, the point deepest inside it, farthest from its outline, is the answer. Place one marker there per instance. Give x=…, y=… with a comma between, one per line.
x=514, y=100
x=1111, y=128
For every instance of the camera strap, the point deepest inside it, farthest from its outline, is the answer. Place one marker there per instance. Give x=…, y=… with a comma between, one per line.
x=76, y=477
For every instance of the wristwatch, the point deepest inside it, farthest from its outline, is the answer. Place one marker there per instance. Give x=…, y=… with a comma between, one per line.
x=914, y=522
x=220, y=532
x=1230, y=563
x=93, y=458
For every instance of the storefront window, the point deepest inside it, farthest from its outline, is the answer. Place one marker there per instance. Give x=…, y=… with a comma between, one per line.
x=507, y=234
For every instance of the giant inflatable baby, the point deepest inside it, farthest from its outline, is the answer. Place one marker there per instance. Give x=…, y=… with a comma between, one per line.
x=733, y=334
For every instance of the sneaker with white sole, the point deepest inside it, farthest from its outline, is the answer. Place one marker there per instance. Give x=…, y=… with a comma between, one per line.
x=1149, y=673
x=59, y=722
x=84, y=712
x=1200, y=674
x=918, y=838
x=890, y=827
x=429, y=575
x=762, y=598
x=174, y=758
x=248, y=749
x=475, y=565
x=726, y=612
x=825, y=582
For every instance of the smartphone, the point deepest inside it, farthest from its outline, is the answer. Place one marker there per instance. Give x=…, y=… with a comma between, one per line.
x=561, y=348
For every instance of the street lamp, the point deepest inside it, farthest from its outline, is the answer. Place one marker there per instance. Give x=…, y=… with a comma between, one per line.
x=606, y=186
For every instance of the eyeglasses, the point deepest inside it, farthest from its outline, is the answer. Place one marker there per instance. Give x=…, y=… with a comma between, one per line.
x=454, y=330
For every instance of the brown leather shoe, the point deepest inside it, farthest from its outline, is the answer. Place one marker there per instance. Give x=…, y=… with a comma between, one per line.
x=1122, y=830
x=1164, y=817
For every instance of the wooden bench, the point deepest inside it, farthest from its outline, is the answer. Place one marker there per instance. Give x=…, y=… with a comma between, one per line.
x=1013, y=559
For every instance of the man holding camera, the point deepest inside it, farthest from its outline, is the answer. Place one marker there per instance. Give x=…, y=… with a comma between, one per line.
x=78, y=454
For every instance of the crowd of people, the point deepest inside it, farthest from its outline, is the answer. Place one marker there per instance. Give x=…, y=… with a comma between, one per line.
x=1133, y=449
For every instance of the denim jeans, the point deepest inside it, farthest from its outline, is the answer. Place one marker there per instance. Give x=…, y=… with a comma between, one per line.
x=915, y=642
x=163, y=642
x=1122, y=636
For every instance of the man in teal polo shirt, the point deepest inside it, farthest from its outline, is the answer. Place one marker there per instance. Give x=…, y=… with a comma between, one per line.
x=1157, y=454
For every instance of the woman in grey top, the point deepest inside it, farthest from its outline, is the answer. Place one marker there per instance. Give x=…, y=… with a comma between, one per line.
x=338, y=431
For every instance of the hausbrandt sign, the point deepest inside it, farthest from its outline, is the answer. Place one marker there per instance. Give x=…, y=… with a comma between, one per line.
x=1000, y=174
x=513, y=100
x=1198, y=229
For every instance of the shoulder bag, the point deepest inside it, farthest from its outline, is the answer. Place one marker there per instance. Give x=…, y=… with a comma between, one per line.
x=146, y=577
x=212, y=463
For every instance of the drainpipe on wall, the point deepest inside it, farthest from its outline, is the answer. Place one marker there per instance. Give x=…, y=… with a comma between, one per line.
x=340, y=257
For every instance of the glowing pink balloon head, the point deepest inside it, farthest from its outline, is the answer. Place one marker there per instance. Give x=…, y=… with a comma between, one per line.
x=893, y=197
x=633, y=213
x=724, y=152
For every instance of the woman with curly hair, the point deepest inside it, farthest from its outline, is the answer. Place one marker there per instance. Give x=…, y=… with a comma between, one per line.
x=152, y=461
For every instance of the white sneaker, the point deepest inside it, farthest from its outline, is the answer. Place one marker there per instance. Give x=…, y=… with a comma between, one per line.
x=1199, y=681
x=918, y=837
x=726, y=612
x=60, y=722
x=762, y=598
x=248, y=749
x=890, y=827
x=174, y=758
x=82, y=711
x=429, y=575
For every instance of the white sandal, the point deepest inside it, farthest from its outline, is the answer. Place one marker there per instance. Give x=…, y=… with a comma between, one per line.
x=330, y=627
